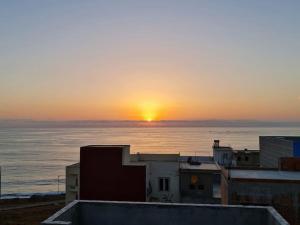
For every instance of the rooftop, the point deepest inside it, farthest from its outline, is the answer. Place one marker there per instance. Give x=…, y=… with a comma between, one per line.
x=143, y=157
x=290, y=138
x=202, y=166
x=104, y=146
x=129, y=213
x=264, y=174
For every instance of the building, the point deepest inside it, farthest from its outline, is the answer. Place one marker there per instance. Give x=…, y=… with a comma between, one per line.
x=110, y=172
x=106, y=173
x=199, y=182
x=280, y=189
x=223, y=155
x=125, y=213
x=228, y=157
x=272, y=148
x=162, y=180
x=289, y=164
x=72, y=182
x=246, y=158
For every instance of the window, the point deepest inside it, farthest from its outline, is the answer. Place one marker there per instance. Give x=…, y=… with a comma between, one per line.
x=192, y=186
x=246, y=158
x=239, y=158
x=164, y=183
x=201, y=187
x=194, y=179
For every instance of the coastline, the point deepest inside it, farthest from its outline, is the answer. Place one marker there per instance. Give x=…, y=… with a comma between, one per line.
x=31, y=210
x=26, y=195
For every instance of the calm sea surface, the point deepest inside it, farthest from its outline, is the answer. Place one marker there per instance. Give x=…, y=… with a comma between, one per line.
x=32, y=159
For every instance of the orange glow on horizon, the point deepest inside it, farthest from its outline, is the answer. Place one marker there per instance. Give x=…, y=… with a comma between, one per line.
x=149, y=110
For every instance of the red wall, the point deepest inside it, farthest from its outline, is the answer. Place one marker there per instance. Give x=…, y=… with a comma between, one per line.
x=289, y=163
x=103, y=177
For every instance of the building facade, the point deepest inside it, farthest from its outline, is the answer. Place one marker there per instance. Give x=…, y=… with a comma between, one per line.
x=106, y=174
x=246, y=158
x=272, y=148
x=223, y=155
x=162, y=176
x=199, y=182
x=280, y=189
x=112, y=173
x=228, y=157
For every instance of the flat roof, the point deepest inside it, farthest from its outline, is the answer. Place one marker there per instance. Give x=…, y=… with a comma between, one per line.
x=103, y=146
x=290, y=138
x=150, y=213
x=144, y=157
x=247, y=151
x=264, y=174
x=202, y=166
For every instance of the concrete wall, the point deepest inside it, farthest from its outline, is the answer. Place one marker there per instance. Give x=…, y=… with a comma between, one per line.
x=223, y=155
x=289, y=164
x=104, y=177
x=199, y=190
x=168, y=170
x=246, y=158
x=116, y=213
x=141, y=157
x=72, y=182
x=283, y=196
x=273, y=148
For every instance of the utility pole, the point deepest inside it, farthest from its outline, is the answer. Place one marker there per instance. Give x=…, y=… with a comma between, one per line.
x=58, y=183
x=0, y=182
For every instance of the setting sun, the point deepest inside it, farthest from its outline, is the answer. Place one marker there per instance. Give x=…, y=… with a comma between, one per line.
x=149, y=118
x=149, y=111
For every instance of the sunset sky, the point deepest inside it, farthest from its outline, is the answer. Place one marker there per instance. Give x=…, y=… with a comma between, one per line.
x=150, y=60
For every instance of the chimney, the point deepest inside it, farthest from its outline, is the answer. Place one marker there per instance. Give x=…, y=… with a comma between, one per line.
x=216, y=144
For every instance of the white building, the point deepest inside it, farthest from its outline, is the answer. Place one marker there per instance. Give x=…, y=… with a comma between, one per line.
x=162, y=176
x=223, y=155
x=72, y=182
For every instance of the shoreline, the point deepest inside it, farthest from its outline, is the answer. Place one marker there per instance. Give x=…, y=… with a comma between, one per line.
x=30, y=211
x=39, y=195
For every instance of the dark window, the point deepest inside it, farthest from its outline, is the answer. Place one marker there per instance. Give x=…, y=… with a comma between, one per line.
x=192, y=186
x=161, y=184
x=239, y=158
x=201, y=187
x=246, y=158
x=164, y=184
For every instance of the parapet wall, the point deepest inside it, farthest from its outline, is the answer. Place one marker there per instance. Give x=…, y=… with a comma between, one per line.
x=126, y=213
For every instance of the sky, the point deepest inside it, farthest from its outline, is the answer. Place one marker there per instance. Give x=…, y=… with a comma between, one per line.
x=150, y=60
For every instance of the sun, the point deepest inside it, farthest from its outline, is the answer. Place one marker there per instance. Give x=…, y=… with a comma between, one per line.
x=149, y=111
x=149, y=115
x=148, y=118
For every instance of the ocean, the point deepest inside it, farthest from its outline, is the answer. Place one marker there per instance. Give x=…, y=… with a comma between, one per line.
x=33, y=160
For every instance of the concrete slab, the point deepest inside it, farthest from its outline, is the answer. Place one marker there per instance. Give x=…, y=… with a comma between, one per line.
x=132, y=213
